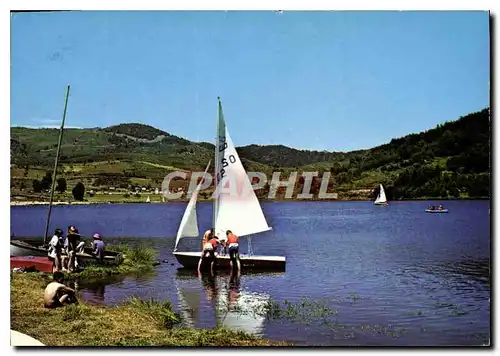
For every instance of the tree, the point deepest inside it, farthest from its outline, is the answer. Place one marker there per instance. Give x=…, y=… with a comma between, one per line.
x=46, y=181
x=37, y=186
x=61, y=185
x=78, y=191
x=342, y=178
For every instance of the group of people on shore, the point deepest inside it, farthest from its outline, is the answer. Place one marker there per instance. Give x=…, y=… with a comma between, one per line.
x=62, y=250
x=211, y=246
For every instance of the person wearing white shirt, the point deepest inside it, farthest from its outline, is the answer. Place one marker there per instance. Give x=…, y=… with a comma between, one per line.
x=54, y=251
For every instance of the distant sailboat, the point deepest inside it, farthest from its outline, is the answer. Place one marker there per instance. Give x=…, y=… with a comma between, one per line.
x=240, y=213
x=381, y=199
x=148, y=200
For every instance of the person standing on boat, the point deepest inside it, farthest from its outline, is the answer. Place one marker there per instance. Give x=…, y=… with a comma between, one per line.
x=54, y=250
x=233, y=244
x=57, y=294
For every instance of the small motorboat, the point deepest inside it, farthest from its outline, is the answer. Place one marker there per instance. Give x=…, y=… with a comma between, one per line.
x=436, y=210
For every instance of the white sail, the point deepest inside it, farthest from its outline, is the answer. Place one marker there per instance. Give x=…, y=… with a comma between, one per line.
x=189, y=222
x=148, y=199
x=381, y=199
x=236, y=206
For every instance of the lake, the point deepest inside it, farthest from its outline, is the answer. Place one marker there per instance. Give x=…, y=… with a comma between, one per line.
x=356, y=274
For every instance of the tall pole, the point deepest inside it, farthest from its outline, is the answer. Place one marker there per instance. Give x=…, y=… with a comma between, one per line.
x=45, y=236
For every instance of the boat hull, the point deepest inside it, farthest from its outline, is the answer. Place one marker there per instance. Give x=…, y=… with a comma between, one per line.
x=20, y=248
x=436, y=211
x=38, y=263
x=269, y=263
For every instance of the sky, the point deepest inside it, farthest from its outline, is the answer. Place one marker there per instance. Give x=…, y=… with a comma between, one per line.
x=335, y=81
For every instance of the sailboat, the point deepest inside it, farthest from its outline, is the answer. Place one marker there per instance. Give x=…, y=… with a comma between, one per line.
x=148, y=200
x=381, y=199
x=239, y=212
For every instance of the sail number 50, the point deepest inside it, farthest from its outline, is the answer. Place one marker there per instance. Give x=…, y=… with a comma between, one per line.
x=231, y=159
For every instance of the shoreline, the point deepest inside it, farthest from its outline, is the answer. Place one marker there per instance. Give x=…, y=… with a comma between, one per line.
x=37, y=203
x=147, y=322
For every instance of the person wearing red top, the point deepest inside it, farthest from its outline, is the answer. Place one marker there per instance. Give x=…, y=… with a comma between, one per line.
x=208, y=234
x=233, y=249
x=209, y=245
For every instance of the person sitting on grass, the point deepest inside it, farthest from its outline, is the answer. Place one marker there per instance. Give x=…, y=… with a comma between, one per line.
x=57, y=294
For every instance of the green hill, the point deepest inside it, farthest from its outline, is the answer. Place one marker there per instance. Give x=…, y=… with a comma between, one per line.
x=451, y=160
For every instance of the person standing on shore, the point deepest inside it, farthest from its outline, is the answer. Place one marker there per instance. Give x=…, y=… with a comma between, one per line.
x=54, y=250
x=74, y=246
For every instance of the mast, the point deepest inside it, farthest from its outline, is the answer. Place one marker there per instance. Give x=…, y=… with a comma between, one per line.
x=216, y=165
x=45, y=236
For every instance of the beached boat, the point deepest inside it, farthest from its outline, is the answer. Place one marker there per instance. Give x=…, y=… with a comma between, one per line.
x=19, y=248
x=32, y=263
x=381, y=198
x=239, y=212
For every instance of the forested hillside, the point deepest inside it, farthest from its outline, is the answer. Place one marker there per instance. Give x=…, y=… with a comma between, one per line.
x=451, y=160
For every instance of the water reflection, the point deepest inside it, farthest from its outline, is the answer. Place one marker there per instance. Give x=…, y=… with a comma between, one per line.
x=209, y=284
x=234, y=288
x=229, y=304
x=95, y=291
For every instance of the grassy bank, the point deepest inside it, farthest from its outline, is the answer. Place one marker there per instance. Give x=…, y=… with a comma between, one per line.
x=138, y=259
x=133, y=323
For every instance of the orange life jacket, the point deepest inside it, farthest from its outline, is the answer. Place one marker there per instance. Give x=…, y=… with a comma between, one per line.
x=232, y=239
x=213, y=241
